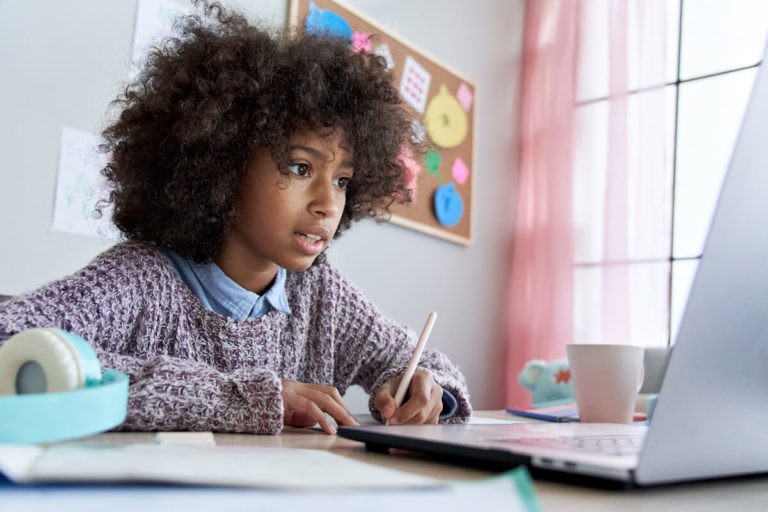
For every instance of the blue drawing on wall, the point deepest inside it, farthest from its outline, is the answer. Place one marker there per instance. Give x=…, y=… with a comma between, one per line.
x=449, y=207
x=322, y=21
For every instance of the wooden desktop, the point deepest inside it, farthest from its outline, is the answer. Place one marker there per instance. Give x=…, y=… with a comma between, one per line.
x=737, y=494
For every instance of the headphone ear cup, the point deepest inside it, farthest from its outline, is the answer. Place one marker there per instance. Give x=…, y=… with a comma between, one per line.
x=46, y=360
x=33, y=412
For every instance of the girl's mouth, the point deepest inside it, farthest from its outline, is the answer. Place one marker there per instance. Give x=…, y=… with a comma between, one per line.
x=312, y=238
x=310, y=243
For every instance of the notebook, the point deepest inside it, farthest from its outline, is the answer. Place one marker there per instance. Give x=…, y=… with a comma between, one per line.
x=711, y=415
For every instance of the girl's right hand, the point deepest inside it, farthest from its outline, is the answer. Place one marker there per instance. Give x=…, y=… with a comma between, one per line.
x=307, y=404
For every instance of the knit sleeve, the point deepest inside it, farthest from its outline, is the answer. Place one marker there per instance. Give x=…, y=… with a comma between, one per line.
x=374, y=349
x=161, y=397
x=106, y=304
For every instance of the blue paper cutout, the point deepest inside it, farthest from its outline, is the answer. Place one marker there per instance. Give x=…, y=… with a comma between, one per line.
x=449, y=207
x=321, y=21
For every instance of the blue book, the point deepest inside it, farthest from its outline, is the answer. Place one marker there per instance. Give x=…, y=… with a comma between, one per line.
x=561, y=412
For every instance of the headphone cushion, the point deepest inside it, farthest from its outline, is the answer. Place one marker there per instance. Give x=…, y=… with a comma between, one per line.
x=66, y=360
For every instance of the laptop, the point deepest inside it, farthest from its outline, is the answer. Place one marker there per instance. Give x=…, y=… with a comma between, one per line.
x=711, y=416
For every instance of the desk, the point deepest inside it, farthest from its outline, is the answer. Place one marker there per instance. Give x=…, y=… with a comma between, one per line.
x=735, y=495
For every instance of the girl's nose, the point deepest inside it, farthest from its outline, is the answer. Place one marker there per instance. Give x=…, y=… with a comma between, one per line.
x=327, y=199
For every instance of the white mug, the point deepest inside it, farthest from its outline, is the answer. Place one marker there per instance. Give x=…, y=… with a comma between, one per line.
x=606, y=380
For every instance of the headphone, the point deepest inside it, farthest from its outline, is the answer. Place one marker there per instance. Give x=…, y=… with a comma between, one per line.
x=53, y=389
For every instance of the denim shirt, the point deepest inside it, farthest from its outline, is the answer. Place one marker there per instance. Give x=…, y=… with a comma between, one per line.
x=222, y=295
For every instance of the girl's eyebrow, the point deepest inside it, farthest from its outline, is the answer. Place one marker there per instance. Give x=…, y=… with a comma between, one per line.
x=319, y=154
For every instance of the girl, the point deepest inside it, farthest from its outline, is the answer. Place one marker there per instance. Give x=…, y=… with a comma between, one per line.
x=237, y=156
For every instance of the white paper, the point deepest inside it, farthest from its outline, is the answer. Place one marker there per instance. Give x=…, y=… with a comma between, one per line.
x=200, y=464
x=367, y=419
x=16, y=460
x=414, y=84
x=198, y=438
x=481, y=420
x=80, y=186
x=510, y=492
x=154, y=21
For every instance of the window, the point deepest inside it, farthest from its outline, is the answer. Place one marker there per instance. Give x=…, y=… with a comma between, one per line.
x=681, y=130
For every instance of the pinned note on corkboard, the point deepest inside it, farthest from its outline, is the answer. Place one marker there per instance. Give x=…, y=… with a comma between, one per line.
x=443, y=105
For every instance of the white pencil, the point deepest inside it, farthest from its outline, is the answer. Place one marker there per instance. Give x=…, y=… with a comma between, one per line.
x=405, y=382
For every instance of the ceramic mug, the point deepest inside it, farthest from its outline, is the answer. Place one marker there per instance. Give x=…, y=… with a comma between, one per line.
x=606, y=380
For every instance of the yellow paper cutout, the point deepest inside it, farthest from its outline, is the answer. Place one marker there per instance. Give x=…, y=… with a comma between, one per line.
x=445, y=120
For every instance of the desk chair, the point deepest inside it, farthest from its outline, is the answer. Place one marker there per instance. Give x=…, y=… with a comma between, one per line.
x=655, y=361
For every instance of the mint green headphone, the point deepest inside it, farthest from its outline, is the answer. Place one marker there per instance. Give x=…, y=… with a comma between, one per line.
x=53, y=389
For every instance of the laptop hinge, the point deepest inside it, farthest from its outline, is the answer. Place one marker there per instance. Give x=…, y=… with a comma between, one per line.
x=619, y=474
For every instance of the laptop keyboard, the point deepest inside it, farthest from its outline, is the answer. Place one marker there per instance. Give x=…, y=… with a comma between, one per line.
x=602, y=444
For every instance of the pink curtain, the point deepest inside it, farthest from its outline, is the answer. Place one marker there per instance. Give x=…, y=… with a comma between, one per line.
x=541, y=281
x=540, y=312
x=615, y=300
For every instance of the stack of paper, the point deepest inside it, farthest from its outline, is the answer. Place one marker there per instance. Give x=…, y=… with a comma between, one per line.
x=210, y=477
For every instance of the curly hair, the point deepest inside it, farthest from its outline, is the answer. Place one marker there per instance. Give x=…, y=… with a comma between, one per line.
x=222, y=87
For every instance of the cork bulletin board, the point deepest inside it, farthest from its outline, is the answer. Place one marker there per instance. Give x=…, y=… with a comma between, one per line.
x=442, y=102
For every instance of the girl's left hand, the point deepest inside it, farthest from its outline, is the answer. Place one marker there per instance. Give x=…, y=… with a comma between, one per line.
x=423, y=404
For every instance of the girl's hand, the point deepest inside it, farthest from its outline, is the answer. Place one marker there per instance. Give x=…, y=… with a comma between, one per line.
x=423, y=404
x=306, y=404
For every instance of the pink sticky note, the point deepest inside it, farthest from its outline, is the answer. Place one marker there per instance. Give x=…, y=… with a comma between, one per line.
x=460, y=171
x=464, y=95
x=412, y=170
x=361, y=42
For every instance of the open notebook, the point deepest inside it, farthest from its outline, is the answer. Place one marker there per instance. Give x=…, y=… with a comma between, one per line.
x=711, y=416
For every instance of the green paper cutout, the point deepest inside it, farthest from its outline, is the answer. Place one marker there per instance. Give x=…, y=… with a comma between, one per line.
x=433, y=161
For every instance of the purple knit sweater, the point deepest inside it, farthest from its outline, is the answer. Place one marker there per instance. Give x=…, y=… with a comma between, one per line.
x=192, y=369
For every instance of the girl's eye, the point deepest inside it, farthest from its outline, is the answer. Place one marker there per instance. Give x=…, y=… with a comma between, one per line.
x=342, y=183
x=299, y=169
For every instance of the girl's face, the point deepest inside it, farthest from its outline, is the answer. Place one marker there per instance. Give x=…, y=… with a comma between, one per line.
x=286, y=220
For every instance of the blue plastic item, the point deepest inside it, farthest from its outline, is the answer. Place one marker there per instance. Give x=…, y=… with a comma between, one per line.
x=50, y=417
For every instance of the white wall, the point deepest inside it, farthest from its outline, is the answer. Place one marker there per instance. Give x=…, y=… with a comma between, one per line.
x=61, y=63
